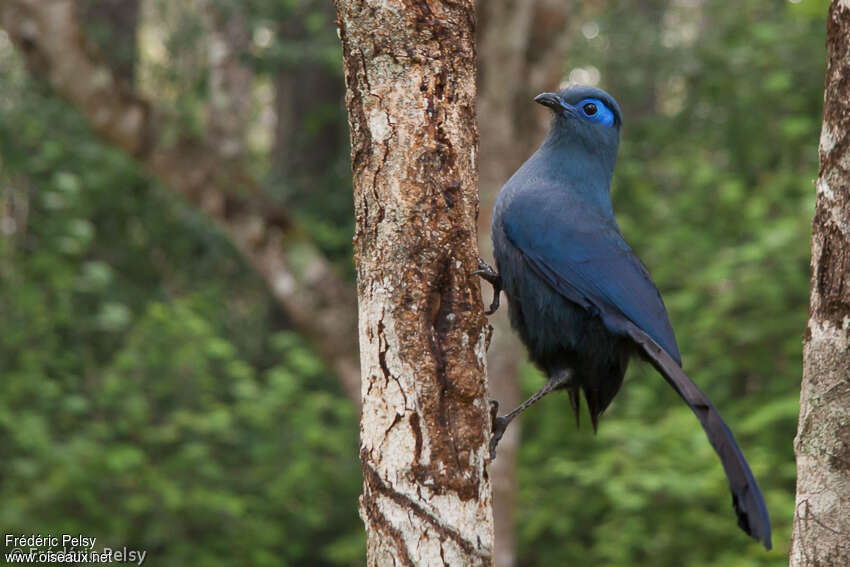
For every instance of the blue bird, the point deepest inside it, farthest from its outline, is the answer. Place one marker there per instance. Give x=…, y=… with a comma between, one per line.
x=580, y=299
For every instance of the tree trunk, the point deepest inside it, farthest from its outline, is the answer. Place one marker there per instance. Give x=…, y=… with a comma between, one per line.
x=410, y=76
x=113, y=27
x=821, y=535
x=302, y=142
x=231, y=82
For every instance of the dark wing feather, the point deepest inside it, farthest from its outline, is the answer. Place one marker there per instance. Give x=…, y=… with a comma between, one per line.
x=585, y=258
x=595, y=268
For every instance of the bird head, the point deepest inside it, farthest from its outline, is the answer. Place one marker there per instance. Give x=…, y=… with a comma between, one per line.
x=584, y=117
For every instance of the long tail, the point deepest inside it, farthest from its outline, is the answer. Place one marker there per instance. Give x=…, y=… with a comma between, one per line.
x=746, y=494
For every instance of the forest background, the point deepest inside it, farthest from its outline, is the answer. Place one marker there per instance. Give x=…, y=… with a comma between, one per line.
x=158, y=392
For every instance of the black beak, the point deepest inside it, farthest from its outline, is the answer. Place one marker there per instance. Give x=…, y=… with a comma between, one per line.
x=551, y=100
x=556, y=103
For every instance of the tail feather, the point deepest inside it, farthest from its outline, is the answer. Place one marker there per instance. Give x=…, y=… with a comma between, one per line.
x=746, y=495
x=594, y=406
x=575, y=403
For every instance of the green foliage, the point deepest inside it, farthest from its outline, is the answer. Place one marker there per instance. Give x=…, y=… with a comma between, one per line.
x=151, y=395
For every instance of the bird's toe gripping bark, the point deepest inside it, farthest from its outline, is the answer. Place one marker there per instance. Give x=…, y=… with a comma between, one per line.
x=498, y=425
x=492, y=277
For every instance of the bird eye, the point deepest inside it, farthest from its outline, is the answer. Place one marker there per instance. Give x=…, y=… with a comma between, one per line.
x=596, y=111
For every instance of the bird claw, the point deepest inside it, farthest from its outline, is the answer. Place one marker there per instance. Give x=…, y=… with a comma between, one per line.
x=492, y=277
x=498, y=425
x=494, y=411
x=488, y=273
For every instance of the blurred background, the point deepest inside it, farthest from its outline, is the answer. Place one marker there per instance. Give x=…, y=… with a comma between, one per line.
x=162, y=386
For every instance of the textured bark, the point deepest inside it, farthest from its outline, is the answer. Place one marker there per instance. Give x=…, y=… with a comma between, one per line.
x=315, y=298
x=821, y=536
x=511, y=73
x=410, y=76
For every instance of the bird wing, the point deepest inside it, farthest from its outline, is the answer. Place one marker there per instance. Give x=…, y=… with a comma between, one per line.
x=585, y=258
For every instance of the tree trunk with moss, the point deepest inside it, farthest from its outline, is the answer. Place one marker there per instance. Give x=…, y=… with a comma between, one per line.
x=410, y=77
x=821, y=536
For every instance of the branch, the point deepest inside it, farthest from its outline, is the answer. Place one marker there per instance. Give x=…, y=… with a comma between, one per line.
x=318, y=302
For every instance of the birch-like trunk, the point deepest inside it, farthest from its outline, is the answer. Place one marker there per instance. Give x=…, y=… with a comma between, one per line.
x=410, y=76
x=821, y=534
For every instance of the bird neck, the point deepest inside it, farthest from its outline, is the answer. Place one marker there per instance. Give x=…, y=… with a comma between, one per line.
x=582, y=169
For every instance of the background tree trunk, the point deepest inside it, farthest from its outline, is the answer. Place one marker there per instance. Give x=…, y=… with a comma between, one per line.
x=231, y=82
x=511, y=73
x=303, y=142
x=113, y=26
x=410, y=76
x=821, y=535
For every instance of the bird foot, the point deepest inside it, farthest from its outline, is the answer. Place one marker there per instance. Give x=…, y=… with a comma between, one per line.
x=498, y=425
x=492, y=277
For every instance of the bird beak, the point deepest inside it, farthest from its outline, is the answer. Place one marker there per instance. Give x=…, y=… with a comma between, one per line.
x=556, y=103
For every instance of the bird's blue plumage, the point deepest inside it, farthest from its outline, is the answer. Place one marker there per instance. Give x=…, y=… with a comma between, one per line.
x=580, y=299
x=588, y=259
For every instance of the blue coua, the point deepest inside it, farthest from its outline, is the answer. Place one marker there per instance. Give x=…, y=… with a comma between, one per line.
x=580, y=299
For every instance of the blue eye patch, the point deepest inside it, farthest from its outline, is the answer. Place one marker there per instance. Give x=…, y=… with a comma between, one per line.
x=595, y=110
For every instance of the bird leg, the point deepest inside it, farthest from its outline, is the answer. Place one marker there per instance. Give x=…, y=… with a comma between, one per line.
x=500, y=424
x=492, y=276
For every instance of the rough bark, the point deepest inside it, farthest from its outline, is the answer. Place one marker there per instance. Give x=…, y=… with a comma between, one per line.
x=315, y=298
x=410, y=76
x=522, y=46
x=821, y=536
